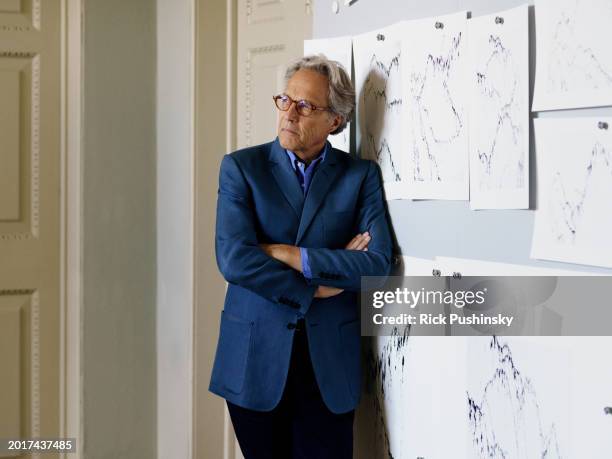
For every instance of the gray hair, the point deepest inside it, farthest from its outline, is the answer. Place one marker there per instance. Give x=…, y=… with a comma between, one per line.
x=341, y=94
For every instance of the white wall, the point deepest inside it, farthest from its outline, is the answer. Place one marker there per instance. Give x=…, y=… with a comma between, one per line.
x=175, y=69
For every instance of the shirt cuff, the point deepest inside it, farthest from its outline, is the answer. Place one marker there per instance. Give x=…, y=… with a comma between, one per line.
x=305, y=265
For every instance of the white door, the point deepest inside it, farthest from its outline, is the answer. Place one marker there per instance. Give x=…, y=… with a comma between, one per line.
x=30, y=219
x=270, y=34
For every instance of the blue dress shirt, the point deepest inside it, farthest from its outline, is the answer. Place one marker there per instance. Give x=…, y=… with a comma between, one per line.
x=304, y=173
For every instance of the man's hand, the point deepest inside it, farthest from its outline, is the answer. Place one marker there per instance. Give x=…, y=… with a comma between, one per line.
x=326, y=292
x=359, y=242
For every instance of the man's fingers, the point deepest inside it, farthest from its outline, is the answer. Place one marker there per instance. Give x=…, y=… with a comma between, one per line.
x=326, y=292
x=363, y=243
x=359, y=242
x=353, y=242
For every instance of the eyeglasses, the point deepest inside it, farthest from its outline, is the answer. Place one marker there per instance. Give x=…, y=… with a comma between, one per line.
x=303, y=107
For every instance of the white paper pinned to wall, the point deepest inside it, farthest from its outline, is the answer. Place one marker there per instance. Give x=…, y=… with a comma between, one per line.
x=573, y=219
x=378, y=85
x=499, y=110
x=574, y=57
x=436, y=127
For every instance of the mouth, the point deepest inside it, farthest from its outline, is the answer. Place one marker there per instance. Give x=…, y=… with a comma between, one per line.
x=289, y=131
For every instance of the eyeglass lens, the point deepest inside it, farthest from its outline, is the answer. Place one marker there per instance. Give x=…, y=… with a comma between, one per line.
x=302, y=107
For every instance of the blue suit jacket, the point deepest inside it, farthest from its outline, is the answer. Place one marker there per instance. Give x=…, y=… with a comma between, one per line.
x=260, y=201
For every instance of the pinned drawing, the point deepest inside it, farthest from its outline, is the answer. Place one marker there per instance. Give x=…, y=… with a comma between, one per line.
x=378, y=83
x=515, y=403
x=573, y=220
x=574, y=58
x=410, y=403
x=435, y=76
x=499, y=110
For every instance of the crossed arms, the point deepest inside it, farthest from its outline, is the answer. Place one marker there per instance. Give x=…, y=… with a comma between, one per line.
x=291, y=256
x=274, y=271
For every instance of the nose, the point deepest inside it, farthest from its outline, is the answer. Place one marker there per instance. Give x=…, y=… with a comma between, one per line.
x=292, y=114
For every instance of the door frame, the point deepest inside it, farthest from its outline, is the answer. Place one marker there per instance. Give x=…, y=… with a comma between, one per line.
x=215, y=134
x=71, y=274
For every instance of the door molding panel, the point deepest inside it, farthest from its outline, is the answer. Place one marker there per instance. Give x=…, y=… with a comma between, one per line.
x=27, y=154
x=25, y=18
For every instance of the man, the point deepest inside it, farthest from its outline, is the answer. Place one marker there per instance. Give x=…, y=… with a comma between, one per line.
x=298, y=224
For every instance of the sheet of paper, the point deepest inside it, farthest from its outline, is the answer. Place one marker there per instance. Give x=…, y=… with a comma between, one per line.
x=378, y=85
x=540, y=396
x=574, y=57
x=591, y=380
x=573, y=220
x=416, y=396
x=337, y=49
x=499, y=110
x=517, y=396
x=435, y=75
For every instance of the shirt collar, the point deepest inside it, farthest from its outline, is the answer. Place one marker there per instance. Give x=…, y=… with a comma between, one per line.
x=293, y=157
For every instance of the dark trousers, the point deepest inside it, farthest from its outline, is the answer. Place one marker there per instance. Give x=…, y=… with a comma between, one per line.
x=301, y=426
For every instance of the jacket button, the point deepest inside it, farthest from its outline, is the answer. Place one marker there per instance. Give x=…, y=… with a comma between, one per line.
x=290, y=325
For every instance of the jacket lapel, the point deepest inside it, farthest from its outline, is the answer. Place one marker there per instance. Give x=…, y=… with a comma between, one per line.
x=323, y=179
x=285, y=177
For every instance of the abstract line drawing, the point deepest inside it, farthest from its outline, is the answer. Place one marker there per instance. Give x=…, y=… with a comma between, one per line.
x=505, y=418
x=435, y=77
x=383, y=358
x=499, y=113
x=378, y=75
x=574, y=61
x=568, y=204
x=573, y=221
x=409, y=402
x=339, y=50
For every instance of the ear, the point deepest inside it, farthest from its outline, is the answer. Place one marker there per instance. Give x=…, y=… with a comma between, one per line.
x=336, y=121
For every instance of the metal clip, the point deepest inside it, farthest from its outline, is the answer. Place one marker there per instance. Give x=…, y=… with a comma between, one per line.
x=439, y=25
x=436, y=272
x=456, y=275
x=499, y=20
x=380, y=37
x=602, y=125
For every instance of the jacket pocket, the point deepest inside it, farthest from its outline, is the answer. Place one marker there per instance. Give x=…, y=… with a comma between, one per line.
x=350, y=337
x=232, y=353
